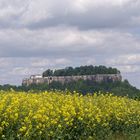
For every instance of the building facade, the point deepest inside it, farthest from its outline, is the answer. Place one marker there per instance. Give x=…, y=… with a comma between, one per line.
x=38, y=79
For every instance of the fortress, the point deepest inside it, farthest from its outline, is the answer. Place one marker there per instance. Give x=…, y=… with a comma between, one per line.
x=39, y=79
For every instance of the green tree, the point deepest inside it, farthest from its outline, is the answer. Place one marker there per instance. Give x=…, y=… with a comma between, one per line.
x=48, y=73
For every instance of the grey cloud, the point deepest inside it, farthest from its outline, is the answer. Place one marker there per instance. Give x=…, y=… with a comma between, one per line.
x=89, y=15
x=102, y=16
x=36, y=35
x=84, y=15
x=129, y=59
x=68, y=41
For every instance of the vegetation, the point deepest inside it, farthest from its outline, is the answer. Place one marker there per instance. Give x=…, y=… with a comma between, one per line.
x=83, y=70
x=119, y=88
x=62, y=115
x=122, y=88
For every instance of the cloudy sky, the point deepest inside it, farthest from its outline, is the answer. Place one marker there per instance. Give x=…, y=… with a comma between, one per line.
x=39, y=34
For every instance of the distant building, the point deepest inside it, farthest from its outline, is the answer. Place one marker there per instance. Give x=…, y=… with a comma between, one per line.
x=35, y=76
x=38, y=79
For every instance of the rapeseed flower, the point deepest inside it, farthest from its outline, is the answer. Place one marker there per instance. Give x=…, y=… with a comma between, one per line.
x=50, y=114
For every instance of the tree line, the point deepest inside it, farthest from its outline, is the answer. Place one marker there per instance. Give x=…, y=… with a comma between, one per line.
x=118, y=88
x=82, y=70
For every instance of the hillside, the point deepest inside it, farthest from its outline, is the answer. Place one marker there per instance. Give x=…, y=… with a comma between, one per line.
x=117, y=87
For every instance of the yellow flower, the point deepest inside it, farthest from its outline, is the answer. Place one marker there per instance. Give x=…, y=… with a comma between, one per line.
x=23, y=129
x=43, y=112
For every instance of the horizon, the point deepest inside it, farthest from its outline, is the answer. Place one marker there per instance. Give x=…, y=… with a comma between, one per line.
x=63, y=68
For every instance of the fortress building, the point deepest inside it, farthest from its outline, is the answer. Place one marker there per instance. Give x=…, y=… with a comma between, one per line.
x=39, y=79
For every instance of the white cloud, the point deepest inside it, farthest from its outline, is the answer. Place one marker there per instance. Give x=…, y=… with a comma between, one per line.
x=10, y=9
x=124, y=59
x=62, y=61
x=46, y=62
x=40, y=62
x=129, y=68
x=25, y=71
x=37, y=10
x=91, y=61
x=100, y=3
x=4, y=62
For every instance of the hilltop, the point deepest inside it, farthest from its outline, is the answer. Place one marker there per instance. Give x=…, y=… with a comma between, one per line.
x=69, y=75
x=83, y=79
x=89, y=79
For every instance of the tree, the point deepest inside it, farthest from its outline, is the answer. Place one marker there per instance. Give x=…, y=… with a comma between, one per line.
x=48, y=73
x=82, y=70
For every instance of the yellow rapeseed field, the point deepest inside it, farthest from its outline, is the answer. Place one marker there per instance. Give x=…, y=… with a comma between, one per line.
x=62, y=115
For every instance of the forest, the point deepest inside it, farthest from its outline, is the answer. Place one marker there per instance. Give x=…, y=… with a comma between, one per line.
x=82, y=70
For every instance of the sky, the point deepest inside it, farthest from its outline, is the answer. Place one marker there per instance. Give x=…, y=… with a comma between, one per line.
x=36, y=35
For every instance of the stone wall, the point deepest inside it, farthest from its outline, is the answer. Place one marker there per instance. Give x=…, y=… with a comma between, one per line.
x=66, y=79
